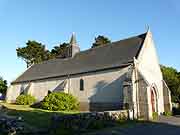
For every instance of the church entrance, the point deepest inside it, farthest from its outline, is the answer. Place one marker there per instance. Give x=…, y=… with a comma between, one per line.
x=153, y=100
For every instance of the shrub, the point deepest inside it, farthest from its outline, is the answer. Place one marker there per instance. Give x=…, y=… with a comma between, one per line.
x=59, y=101
x=3, y=86
x=167, y=113
x=176, y=111
x=155, y=115
x=25, y=100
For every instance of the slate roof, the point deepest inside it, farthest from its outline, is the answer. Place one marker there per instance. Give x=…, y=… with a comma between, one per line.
x=116, y=54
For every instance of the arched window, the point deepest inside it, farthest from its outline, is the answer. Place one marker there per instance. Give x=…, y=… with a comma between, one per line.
x=81, y=84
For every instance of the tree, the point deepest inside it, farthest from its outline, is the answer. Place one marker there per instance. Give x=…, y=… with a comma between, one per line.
x=33, y=53
x=171, y=77
x=3, y=86
x=179, y=75
x=60, y=51
x=100, y=40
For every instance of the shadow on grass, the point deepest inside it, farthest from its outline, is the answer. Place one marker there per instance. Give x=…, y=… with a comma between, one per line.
x=36, y=118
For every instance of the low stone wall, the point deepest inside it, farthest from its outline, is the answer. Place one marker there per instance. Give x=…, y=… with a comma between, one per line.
x=118, y=115
x=106, y=115
x=87, y=121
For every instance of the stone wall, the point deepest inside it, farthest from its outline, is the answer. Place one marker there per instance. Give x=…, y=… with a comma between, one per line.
x=103, y=90
x=167, y=98
x=143, y=101
x=40, y=88
x=13, y=92
x=94, y=120
x=99, y=87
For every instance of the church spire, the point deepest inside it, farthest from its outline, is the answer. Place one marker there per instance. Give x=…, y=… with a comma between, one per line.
x=73, y=39
x=73, y=46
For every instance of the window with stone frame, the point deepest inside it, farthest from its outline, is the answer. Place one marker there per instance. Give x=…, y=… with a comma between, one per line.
x=81, y=84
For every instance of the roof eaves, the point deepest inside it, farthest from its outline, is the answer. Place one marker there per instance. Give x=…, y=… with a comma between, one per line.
x=59, y=76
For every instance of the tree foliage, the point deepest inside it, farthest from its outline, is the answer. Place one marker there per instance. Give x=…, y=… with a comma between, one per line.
x=33, y=53
x=100, y=40
x=171, y=77
x=60, y=51
x=3, y=86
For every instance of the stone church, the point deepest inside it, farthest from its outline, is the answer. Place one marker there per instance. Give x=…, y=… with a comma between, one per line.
x=120, y=75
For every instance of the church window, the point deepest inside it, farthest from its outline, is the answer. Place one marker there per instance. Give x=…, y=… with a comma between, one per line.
x=81, y=84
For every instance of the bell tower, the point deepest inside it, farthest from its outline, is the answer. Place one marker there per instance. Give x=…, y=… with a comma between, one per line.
x=73, y=46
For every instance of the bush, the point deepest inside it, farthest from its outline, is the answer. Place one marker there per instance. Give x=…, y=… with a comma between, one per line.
x=25, y=100
x=59, y=101
x=167, y=113
x=3, y=86
x=155, y=116
x=176, y=111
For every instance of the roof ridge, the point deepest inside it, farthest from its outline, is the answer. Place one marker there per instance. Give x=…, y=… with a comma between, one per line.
x=105, y=45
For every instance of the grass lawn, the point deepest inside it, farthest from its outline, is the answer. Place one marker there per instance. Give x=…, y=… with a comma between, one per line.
x=34, y=118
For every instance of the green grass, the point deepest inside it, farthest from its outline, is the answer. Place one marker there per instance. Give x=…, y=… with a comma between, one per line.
x=35, y=118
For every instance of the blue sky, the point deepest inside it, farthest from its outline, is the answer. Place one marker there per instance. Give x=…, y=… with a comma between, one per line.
x=53, y=21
